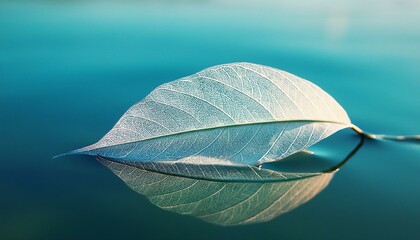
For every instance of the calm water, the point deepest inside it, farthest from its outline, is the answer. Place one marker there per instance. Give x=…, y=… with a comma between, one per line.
x=68, y=71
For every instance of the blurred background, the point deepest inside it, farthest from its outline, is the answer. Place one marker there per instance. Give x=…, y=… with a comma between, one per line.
x=70, y=69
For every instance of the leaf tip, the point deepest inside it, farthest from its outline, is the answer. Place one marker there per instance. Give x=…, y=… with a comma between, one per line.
x=77, y=151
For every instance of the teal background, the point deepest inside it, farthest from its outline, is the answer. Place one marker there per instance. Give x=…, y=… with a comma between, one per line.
x=70, y=69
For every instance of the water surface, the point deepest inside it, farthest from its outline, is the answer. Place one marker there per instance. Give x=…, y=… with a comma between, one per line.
x=68, y=71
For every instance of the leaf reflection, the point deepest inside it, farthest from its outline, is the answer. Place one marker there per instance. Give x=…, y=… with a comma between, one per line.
x=220, y=194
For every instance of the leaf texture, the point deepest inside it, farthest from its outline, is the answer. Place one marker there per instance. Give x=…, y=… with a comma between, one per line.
x=239, y=112
x=223, y=195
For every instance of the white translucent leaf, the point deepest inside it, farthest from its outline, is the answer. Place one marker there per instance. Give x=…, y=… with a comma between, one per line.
x=239, y=112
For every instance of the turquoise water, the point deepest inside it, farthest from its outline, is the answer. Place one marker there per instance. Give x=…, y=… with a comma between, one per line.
x=68, y=71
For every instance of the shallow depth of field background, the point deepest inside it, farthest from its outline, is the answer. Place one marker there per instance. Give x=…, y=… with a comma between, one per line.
x=70, y=69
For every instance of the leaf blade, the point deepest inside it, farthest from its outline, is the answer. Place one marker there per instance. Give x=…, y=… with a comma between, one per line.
x=223, y=96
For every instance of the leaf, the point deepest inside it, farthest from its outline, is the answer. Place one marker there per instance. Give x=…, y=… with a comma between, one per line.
x=223, y=195
x=230, y=112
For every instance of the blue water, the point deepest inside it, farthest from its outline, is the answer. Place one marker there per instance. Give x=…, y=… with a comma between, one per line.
x=68, y=71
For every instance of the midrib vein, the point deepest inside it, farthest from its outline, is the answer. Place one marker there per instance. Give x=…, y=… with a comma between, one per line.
x=92, y=147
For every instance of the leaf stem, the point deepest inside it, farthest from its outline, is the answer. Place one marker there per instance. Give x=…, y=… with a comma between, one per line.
x=413, y=138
